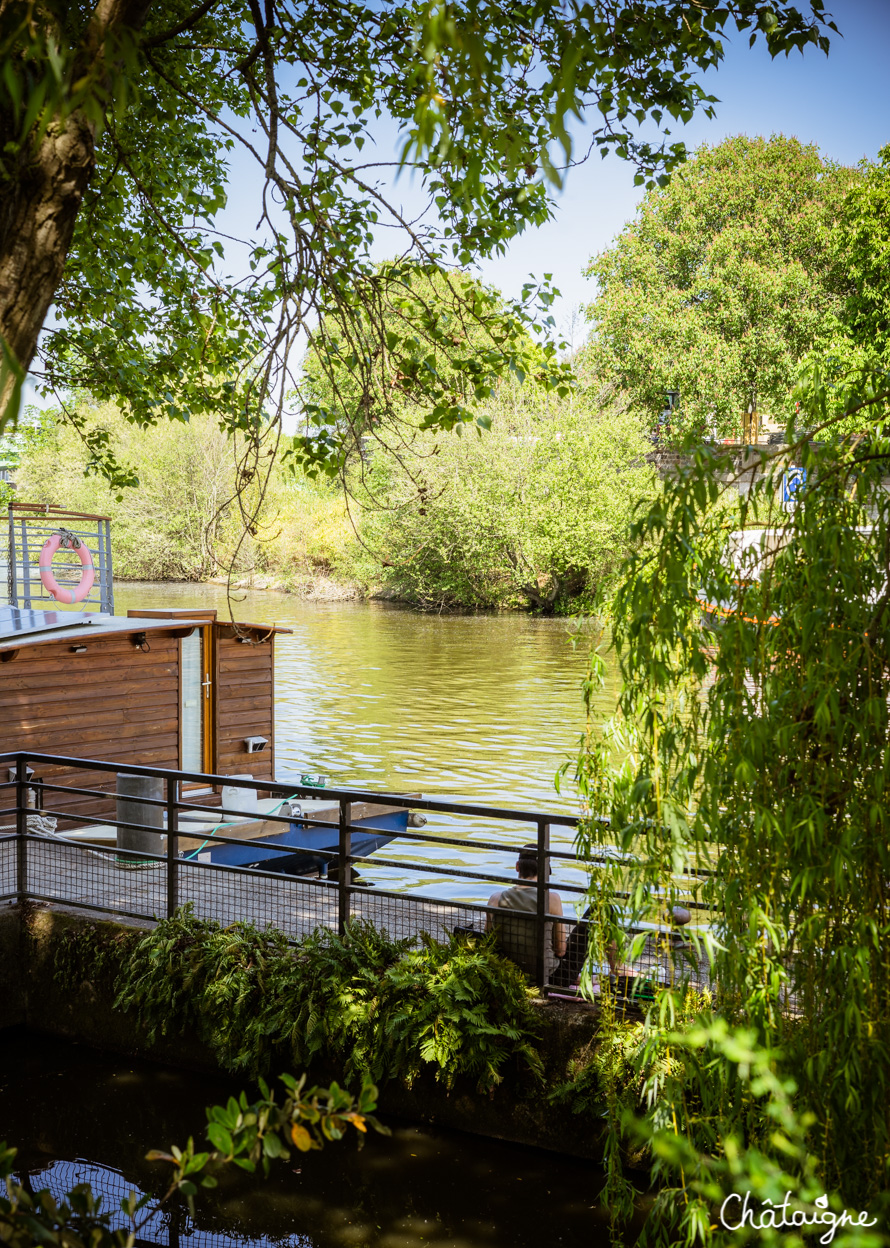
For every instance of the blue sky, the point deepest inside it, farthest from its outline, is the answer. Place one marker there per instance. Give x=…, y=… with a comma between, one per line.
x=840, y=102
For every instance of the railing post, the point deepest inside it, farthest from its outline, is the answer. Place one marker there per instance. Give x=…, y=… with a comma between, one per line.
x=21, y=827
x=108, y=589
x=543, y=860
x=26, y=569
x=344, y=863
x=10, y=567
x=172, y=845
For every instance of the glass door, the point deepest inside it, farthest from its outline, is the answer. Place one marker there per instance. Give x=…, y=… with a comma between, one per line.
x=196, y=702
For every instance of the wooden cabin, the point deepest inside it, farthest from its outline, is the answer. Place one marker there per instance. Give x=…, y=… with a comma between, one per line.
x=173, y=689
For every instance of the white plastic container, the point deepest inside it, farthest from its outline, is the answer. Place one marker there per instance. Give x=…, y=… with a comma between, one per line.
x=239, y=803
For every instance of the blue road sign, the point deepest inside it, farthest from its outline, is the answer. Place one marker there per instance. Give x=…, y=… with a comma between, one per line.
x=793, y=483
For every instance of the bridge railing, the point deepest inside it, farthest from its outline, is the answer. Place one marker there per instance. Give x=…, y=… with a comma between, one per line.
x=438, y=870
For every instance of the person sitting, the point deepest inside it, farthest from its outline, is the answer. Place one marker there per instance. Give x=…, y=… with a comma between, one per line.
x=568, y=973
x=517, y=931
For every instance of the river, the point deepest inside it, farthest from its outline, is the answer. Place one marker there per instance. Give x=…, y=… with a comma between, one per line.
x=479, y=708
x=81, y=1116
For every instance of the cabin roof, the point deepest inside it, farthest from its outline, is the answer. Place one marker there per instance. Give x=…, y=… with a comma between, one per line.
x=89, y=627
x=38, y=628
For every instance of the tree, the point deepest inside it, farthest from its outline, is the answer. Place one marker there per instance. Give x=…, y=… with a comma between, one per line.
x=725, y=280
x=118, y=118
x=534, y=514
x=182, y=522
x=754, y=781
x=863, y=247
x=431, y=343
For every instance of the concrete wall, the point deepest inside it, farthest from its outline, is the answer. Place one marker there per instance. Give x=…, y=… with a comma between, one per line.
x=518, y=1110
x=12, y=998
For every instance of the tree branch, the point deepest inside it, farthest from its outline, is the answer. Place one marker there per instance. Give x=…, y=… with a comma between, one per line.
x=186, y=24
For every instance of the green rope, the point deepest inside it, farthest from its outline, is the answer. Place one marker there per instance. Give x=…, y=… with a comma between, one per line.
x=191, y=857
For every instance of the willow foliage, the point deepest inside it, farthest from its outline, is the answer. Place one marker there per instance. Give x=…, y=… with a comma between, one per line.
x=755, y=724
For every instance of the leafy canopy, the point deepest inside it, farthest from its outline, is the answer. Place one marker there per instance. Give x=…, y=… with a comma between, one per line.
x=725, y=280
x=425, y=354
x=162, y=310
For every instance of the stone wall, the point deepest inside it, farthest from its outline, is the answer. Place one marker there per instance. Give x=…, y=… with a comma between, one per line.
x=12, y=999
x=744, y=464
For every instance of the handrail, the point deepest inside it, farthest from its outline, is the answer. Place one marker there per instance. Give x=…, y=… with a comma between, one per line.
x=337, y=855
x=278, y=788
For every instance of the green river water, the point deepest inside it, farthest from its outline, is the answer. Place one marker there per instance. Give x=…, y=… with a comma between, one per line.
x=81, y=1116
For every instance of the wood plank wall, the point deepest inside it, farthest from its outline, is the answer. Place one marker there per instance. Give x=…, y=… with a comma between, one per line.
x=245, y=701
x=118, y=703
x=113, y=702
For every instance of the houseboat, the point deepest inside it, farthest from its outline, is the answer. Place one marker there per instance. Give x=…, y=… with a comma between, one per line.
x=174, y=689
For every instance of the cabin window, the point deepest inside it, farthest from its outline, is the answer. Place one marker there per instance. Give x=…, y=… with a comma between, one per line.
x=195, y=701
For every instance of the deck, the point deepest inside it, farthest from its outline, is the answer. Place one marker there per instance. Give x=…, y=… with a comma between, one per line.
x=84, y=877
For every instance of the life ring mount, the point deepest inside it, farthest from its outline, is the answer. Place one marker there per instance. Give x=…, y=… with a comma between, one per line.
x=66, y=540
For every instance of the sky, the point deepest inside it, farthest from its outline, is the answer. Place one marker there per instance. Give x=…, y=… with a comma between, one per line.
x=840, y=102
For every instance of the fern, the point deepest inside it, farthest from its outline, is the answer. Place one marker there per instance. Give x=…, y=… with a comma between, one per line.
x=363, y=1000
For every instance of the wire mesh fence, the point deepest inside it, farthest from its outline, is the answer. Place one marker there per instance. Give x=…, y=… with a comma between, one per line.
x=95, y=878
x=229, y=894
x=300, y=861
x=170, y=1225
x=8, y=845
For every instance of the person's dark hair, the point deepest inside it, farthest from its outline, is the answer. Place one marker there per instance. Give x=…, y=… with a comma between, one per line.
x=527, y=864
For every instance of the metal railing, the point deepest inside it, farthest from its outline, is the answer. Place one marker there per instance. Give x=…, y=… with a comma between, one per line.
x=41, y=865
x=28, y=527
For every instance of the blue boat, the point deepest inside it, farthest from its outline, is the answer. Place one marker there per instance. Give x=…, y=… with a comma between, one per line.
x=373, y=826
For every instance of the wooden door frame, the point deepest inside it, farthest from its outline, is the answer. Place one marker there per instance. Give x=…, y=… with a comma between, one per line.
x=209, y=715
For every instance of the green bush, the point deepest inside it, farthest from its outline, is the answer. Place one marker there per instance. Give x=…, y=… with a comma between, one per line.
x=534, y=513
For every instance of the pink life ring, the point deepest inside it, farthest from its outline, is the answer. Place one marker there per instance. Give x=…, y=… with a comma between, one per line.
x=51, y=585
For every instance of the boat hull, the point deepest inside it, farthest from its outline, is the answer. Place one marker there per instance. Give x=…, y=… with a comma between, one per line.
x=314, y=846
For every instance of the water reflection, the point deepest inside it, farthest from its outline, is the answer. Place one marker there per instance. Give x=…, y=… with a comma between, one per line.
x=479, y=708
x=77, y=1114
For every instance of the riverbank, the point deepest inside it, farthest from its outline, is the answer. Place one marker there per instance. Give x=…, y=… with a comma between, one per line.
x=312, y=587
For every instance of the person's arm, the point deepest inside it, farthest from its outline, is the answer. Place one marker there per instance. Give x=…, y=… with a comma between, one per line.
x=560, y=930
x=612, y=955
x=494, y=900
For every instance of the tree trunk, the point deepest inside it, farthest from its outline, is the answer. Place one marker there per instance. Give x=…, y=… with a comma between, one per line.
x=39, y=206
x=38, y=213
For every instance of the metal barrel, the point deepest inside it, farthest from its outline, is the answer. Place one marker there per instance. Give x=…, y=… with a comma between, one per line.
x=133, y=808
